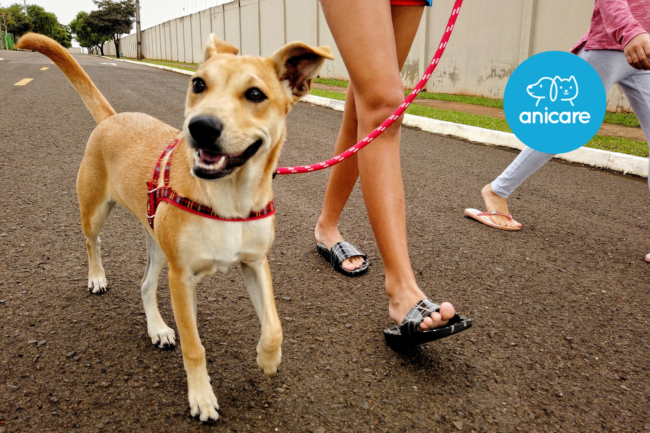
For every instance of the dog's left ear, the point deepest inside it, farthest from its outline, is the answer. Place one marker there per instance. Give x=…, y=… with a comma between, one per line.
x=297, y=64
x=214, y=46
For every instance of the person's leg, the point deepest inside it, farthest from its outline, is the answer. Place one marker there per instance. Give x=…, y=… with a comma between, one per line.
x=343, y=177
x=365, y=33
x=608, y=65
x=496, y=194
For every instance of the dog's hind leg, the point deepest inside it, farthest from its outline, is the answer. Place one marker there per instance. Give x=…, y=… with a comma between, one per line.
x=257, y=278
x=95, y=205
x=161, y=334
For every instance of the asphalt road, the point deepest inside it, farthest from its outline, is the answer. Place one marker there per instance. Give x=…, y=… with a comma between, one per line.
x=561, y=309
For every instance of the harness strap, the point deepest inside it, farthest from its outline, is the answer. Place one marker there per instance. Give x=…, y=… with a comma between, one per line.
x=164, y=193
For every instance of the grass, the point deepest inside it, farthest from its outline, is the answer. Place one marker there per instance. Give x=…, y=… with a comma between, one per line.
x=603, y=142
x=172, y=64
x=623, y=119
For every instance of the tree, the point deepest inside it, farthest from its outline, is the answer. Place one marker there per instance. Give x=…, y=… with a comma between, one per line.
x=17, y=22
x=47, y=24
x=114, y=18
x=87, y=35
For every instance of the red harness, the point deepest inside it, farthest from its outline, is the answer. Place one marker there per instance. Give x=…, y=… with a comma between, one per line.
x=164, y=193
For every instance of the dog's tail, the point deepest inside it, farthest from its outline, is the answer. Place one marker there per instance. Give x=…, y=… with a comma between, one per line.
x=94, y=100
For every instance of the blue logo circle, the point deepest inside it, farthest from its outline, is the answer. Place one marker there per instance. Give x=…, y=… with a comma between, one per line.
x=555, y=102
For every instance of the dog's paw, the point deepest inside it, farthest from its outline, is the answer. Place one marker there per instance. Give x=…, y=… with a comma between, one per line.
x=204, y=406
x=97, y=285
x=163, y=337
x=269, y=361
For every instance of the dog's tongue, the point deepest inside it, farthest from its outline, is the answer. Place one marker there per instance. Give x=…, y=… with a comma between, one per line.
x=209, y=158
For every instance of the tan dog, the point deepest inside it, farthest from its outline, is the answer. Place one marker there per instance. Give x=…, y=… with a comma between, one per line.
x=235, y=124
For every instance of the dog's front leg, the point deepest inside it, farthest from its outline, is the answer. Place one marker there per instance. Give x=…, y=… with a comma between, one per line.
x=260, y=288
x=203, y=402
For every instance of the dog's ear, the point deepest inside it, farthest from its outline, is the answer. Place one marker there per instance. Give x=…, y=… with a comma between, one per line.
x=214, y=46
x=297, y=64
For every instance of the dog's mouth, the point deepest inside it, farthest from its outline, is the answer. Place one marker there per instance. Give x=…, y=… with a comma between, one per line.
x=213, y=165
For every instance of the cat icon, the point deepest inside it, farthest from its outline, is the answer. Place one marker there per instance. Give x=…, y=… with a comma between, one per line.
x=544, y=88
x=567, y=89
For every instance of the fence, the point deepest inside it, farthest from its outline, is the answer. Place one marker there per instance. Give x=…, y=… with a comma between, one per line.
x=7, y=41
x=490, y=40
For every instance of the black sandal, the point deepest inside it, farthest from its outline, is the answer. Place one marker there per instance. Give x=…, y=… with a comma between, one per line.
x=409, y=334
x=340, y=252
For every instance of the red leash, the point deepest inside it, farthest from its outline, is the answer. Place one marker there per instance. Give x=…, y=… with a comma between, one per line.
x=388, y=122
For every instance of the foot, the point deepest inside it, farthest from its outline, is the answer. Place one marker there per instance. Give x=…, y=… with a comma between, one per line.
x=403, y=299
x=329, y=237
x=499, y=204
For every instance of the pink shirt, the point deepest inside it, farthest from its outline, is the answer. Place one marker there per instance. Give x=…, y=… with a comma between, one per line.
x=615, y=23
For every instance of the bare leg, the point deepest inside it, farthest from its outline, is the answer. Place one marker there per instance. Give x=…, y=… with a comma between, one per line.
x=341, y=182
x=374, y=39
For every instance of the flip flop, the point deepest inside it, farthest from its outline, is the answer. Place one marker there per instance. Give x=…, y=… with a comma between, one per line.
x=409, y=334
x=483, y=217
x=340, y=252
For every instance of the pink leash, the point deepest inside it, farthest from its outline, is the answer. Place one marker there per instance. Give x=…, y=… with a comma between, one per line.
x=388, y=122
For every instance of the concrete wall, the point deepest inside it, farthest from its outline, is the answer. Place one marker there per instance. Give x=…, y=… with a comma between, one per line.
x=490, y=40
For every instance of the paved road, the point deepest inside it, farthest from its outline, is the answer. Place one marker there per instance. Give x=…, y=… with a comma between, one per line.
x=561, y=309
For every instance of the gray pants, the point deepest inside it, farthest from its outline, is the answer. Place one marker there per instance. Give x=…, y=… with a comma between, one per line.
x=613, y=68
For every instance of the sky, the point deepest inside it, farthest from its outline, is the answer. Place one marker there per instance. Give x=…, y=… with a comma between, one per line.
x=152, y=12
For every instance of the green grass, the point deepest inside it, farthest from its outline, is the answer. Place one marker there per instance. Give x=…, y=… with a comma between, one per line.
x=603, y=142
x=169, y=63
x=474, y=100
x=623, y=119
x=620, y=145
x=331, y=82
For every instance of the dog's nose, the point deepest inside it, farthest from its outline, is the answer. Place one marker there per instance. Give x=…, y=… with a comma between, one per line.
x=205, y=130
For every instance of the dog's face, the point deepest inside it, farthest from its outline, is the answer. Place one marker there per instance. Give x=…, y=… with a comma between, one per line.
x=237, y=105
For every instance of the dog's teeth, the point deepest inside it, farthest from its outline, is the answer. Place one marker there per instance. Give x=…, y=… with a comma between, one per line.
x=220, y=163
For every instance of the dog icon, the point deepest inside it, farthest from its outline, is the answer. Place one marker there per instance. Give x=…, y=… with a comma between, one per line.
x=552, y=88
x=544, y=88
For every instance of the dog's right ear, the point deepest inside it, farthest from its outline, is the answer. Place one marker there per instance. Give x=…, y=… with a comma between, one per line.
x=214, y=46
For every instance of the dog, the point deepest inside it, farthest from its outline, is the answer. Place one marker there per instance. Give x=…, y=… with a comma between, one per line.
x=225, y=158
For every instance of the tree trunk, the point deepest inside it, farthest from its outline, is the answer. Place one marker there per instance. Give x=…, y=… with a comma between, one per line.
x=101, y=48
x=116, y=41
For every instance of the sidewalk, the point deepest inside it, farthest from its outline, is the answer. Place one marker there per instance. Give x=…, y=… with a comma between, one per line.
x=606, y=129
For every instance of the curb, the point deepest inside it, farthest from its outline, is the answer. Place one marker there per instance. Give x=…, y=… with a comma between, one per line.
x=164, y=68
x=626, y=164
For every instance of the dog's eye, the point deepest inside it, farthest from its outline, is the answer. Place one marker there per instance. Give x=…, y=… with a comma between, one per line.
x=255, y=95
x=198, y=85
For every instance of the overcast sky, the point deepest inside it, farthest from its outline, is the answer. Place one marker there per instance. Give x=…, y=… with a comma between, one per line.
x=152, y=12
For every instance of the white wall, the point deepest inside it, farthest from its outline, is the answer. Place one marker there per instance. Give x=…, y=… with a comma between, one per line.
x=490, y=40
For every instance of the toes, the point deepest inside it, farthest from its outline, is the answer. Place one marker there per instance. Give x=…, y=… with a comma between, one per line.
x=447, y=311
x=352, y=263
x=437, y=319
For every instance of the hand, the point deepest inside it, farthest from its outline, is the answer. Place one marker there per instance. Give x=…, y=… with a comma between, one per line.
x=637, y=52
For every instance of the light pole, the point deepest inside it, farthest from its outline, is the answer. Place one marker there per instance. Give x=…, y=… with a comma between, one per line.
x=137, y=28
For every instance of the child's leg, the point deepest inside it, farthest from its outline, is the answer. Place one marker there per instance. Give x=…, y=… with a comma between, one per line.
x=372, y=38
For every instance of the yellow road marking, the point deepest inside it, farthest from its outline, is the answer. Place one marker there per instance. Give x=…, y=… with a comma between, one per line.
x=23, y=81
x=45, y=69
